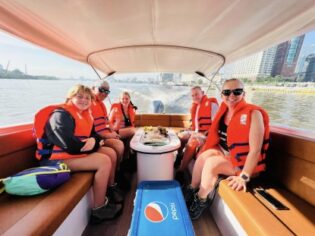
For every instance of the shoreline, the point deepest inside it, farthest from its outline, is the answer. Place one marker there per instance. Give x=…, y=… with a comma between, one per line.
x=278, y=89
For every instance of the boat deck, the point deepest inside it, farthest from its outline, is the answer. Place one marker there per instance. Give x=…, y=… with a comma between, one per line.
x=120, y=226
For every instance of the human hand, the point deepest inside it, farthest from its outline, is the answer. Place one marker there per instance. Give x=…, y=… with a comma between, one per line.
x=237, y=183
x=89, y=144
x=115, y=135
x=111, y=135
x=184, y=134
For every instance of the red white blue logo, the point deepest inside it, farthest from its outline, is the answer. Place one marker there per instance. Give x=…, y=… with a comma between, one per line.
x=156, y=212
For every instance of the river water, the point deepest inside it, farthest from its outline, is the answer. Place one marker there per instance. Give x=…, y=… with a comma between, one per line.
x=20, y=99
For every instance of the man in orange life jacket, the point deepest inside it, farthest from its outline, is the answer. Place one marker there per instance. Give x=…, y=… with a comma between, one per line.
x=202, y=112
x=101, y=121
x=236, y=146
x=104, y=129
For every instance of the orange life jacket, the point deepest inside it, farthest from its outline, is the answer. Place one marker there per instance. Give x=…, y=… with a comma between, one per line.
x=117, y=111
x=83, y=128
x=204, y=113
x=238, y=134
x=99, y=112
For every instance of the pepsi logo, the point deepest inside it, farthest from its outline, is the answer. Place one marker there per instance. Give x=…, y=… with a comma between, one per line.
x=156, y=212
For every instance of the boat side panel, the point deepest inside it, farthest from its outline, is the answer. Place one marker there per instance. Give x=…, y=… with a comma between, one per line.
x=292, y=162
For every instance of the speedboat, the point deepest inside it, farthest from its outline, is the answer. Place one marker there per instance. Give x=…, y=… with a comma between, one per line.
x=181, y=36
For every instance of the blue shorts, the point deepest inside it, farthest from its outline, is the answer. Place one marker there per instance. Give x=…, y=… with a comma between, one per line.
x=47, y=162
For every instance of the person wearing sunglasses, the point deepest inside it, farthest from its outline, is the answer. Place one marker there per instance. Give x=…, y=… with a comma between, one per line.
x=236, y=146
x=202, y=112
x=101, y=90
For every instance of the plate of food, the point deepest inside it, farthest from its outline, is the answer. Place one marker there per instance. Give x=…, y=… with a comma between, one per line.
x=155, y=136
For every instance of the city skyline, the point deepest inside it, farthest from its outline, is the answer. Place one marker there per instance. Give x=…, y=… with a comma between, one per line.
x=286, y=59
x=35, y=60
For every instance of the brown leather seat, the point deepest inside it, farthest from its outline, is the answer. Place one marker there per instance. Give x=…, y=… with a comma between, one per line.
x=37, y=215
x=42, y=215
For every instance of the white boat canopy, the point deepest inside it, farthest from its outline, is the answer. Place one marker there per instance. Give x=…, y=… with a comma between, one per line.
x=157, y=35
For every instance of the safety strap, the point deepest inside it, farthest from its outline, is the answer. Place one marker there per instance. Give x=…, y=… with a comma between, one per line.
x=127, y=120
x=233, y=145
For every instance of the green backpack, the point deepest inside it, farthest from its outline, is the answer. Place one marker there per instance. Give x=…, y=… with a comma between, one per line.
x=36, y=180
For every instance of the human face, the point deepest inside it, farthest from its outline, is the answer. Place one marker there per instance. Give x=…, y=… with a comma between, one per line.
x=232, y=93
x=125, y=100
x=101, y=92
x=82, y=101
x=196, y=95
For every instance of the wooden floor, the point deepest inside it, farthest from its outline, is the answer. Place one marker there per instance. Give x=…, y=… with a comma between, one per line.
x=120, y=226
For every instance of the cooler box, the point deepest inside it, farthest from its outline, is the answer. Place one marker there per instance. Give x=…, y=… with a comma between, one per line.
x=160, y=209
x=155, y=159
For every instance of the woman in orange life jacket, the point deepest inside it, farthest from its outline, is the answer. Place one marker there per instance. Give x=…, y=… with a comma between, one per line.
x=202, y=113
x=101, y=121
x=122, y=116
x=236, y=146
x=70, y=130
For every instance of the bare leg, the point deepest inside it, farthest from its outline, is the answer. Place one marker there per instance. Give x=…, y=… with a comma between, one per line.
x=183, y=142
x=197, y=170
x=113, y=158
x=102, y=166
x=117, y=145
x=213, y=166
x=127, y=132
x=200, y=163
x=126, y=135
x=190, y=151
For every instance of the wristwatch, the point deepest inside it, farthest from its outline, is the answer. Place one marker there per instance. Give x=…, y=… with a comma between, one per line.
x=245, y=177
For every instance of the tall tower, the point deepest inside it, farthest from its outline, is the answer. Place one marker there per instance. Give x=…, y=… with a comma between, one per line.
x=267, y=62
x=286, y=57
x=310, y=70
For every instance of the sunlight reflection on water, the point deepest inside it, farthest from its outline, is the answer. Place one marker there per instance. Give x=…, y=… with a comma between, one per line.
x=20, y=99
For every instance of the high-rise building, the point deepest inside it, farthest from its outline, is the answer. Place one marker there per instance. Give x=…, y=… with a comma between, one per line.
x=252, y=67
x=277, y=60
x=245, y=68
x=301, y=65
x=267, y=62
x=286, y=57
x=310, y=70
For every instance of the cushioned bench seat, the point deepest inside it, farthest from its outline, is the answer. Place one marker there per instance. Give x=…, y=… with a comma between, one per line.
x=258, y=218
x=300, y=218
x=42, y=215
x=291, y=164
x=36, y=215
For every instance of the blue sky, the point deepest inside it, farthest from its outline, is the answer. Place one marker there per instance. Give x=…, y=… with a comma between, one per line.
x=309, y=43
x=40, y=61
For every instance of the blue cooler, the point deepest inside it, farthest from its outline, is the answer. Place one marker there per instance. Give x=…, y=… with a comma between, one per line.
x=160, y=209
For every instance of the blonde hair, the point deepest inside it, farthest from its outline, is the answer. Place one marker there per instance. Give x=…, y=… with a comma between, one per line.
x=79, y=88
x=197, y=88
x=125, y=93
x=231, y=80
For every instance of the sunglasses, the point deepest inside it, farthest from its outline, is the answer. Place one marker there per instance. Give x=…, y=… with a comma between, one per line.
x=236, y=92
x=103, y=90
